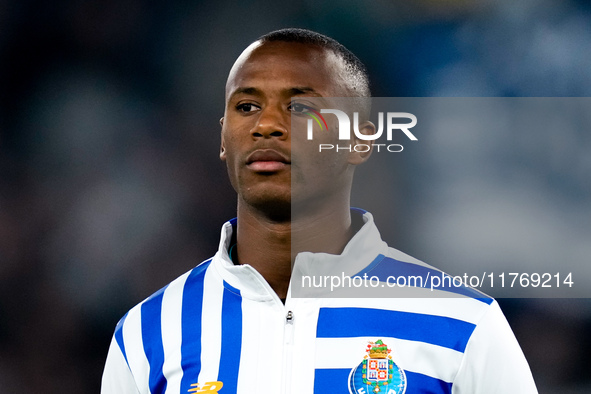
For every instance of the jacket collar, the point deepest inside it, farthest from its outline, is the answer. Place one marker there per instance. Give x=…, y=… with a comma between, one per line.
x=361, y=250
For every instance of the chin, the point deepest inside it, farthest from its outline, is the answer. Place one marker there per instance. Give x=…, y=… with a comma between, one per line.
x=274, y=205
x=275, y=210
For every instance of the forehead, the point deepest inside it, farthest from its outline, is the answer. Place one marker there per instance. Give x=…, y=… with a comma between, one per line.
x=284, y=65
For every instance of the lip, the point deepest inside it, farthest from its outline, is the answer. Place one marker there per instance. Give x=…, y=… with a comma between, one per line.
x=267, y=160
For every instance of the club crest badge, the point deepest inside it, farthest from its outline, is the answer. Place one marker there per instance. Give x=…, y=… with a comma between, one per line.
x=377, y=373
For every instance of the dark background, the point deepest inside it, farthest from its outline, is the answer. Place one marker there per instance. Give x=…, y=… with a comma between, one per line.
x=111, y=186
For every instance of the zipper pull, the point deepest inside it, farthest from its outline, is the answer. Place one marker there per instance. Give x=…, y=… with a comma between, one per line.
x=289, y=317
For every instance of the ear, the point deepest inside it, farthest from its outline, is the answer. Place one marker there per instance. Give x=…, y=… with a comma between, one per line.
x=222, y=147
x=356, y=158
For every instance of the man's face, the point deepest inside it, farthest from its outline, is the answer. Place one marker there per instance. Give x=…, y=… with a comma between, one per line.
x=268, y=166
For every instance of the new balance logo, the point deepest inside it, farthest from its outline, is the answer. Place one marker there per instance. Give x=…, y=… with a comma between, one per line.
x=206, y=388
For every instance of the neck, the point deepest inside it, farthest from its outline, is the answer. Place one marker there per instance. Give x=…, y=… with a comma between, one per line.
x=271, y=246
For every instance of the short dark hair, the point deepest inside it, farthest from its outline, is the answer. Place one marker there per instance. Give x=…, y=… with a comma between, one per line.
x=354, y=67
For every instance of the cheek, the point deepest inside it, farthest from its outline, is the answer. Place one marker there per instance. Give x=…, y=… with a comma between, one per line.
x=317, y=151
x=230, y=157
x=315, y=168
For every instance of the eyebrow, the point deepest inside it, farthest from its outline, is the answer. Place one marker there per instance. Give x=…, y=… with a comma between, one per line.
x=248, y=90
x=295, y=91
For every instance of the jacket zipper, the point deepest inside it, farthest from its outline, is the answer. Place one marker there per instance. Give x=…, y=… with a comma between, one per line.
x=288, y=350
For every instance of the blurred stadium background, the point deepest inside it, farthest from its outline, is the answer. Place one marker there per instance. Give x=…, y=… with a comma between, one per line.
x=110, y=183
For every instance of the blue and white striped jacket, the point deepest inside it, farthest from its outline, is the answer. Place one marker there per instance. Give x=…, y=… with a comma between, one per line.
x=220, y=328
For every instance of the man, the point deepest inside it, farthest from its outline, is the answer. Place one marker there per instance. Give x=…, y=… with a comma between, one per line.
x=231, y=324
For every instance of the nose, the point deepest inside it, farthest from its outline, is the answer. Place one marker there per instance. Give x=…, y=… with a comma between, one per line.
x=272, y=122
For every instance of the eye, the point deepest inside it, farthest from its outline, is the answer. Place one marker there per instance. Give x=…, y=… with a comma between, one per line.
x=247, y=107
x=299, y=108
